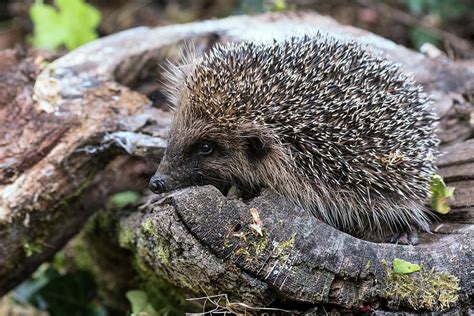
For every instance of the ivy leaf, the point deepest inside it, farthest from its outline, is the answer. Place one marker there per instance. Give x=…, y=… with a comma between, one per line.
x=71, y=24
x=404, y=267
x=46, y=20
x=440, y=194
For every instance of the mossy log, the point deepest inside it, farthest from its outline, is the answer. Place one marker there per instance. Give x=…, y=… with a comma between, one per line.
x=101, y=101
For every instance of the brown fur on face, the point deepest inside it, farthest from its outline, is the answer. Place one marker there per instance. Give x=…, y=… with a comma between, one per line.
x=243, y=156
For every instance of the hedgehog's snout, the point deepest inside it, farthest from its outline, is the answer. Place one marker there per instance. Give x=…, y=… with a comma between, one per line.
x=158, y=183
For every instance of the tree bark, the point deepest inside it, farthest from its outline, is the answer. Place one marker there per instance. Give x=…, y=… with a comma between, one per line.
x=88, y=108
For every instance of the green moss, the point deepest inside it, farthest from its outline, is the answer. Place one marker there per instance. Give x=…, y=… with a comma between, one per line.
x=96, y=250
x=44, y=227
x=253, y=244
x=282, y=250
x=163, y=253
x=165, y=297
x=161, y=247
x=126, y=237
x=243, y=251
x=82, y=258
x=261, y=244
x=227, y=242
x=148, y=227
x=422, y=290
x=76, y=193
x=285, y=245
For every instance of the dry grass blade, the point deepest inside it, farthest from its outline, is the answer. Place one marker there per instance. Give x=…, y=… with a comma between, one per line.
x=237, y=308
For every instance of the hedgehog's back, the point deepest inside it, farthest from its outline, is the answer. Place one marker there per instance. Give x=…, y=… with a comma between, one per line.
x=352, y=122
x=356, y=115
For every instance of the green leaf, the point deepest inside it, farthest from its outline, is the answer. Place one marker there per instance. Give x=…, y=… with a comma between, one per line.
x=122, y=199
x=72, y=24
x=440, y=193
x=444, y=8
x=46, y=33
x=140, y=303
x=404, y=267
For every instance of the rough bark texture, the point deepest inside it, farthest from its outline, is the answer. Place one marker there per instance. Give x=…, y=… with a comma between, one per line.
x=58, y=142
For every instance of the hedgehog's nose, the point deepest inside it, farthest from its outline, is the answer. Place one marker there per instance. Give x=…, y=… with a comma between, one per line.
x=157, y=184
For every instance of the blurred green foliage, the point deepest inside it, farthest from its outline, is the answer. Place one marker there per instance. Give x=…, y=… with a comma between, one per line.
x=71, y=293
x=122, y=199
x=71, y=23
x=260, y=6
x=80, y=280
x=420, y=36
x=140, y=303
x=164, y=298
x=443, y=8
x=438, y=10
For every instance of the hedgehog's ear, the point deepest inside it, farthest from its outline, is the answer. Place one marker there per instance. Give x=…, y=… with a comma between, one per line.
x=257, y=146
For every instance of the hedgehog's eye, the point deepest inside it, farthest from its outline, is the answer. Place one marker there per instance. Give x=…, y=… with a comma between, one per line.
x=206, y=148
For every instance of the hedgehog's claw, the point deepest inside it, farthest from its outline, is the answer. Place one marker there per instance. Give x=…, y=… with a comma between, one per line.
x=234, y=192
x=405, y=238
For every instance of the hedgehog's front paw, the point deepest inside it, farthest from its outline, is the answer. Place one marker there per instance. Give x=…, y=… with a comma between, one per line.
x=404, y=238
x=234, y=192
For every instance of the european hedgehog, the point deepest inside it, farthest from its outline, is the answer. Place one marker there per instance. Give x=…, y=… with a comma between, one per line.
x=330, y=126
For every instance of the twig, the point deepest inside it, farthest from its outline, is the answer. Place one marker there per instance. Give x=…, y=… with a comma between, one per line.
x=230, y=307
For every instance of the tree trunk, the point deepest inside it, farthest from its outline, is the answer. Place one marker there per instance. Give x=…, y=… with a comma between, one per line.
x=89, y=107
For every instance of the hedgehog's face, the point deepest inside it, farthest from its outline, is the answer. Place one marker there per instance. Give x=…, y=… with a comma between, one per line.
x=200, y=153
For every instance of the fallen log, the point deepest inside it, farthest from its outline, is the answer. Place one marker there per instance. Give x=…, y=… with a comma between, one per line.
x=89, y=107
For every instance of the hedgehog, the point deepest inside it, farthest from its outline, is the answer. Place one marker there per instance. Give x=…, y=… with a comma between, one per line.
x=329, y=125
